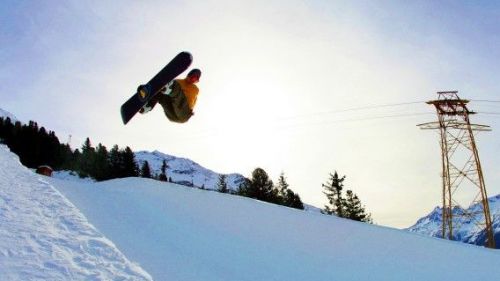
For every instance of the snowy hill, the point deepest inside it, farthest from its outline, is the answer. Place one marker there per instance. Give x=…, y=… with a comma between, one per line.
x=185, y=171
x=180, y=233
x=467, y=230
x=45, y=237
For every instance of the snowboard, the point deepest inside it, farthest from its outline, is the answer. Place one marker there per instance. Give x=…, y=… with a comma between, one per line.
x=145, y=92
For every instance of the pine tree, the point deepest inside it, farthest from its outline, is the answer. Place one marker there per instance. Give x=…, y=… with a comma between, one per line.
x=259, y=187
x=26, y=143
x=76, y=160
x=293, y=200
x=87, y=160
x=349, y=207
x=163, y=175
x=145, y=170
x=68, y=158
x=115, y=163
x=130, y=166
x=55, y=156
x=44, y=154
x=354, y=209
x=222, y=184
x=285, y=196
x=282, y=187
x=101, y=163
x=333, y=191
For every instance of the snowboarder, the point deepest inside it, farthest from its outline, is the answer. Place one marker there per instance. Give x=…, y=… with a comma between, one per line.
x=177, y=98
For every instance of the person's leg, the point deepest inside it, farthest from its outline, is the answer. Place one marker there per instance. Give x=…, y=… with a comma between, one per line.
x=167, y=103
x=175, y=105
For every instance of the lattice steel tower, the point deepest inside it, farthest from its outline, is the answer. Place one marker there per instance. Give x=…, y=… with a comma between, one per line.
x=460, y=166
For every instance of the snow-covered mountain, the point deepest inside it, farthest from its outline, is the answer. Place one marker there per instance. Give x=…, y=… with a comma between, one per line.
x=5, y=114
x=53, y=229
x=185, y=171
x=465, y=229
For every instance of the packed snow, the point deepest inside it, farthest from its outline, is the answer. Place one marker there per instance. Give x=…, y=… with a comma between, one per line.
x=181, y=233
x=70, y=176
x=45, y=237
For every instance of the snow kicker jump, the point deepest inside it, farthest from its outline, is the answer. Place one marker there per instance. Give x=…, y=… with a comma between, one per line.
x=146, y=92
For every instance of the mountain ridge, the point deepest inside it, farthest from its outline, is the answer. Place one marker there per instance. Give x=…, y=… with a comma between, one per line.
x=467, y=231
x=186, y=171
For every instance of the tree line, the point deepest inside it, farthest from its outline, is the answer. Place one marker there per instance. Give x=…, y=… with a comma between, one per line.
x=36, y=146
x=348, y=206
x=262, y=188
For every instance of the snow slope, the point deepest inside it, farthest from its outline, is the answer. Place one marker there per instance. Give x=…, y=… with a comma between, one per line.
x=182, y=233
x=45, y=237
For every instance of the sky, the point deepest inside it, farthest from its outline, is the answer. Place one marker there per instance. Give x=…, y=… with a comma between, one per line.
x=297, y=87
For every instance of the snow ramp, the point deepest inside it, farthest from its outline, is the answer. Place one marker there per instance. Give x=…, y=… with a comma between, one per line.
x=45, y=237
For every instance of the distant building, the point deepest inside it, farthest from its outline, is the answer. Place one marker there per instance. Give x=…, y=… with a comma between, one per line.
x=44, y=170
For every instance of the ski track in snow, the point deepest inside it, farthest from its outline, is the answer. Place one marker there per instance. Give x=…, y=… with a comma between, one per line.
x=45, y=237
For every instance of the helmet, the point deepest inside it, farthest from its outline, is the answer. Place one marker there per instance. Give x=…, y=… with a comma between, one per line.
x=195, y=72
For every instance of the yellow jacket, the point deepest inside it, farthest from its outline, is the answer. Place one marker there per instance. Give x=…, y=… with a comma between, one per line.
x=190, y=91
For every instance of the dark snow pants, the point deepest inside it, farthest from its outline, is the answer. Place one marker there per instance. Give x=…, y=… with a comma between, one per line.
x=175, y=104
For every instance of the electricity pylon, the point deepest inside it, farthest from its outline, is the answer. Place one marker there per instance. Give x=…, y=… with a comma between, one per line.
x=460, y=165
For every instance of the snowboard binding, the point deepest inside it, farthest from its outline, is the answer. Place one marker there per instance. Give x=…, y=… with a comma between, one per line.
x=144, y=91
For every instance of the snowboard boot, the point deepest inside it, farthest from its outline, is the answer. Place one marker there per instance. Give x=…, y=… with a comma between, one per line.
x=150, y=104
x=167, y=90
x=145, y=109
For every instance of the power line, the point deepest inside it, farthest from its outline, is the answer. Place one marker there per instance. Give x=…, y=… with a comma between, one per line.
x=368, y=107
x=492, y=101
x=379, y=106
x=334, y=121
x=488, y=113
x=276, y=125
x=282, y=124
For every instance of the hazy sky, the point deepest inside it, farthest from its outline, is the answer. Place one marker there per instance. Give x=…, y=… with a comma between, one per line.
x=278, y=80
